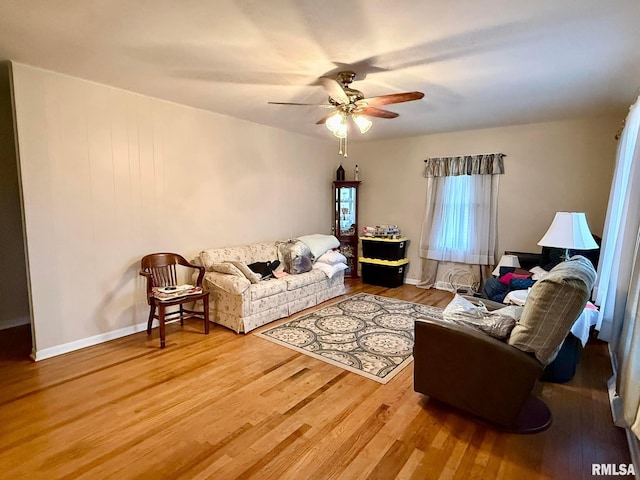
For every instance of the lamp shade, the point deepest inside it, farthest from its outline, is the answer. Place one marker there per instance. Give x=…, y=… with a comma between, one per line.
x=569, y=230
x=506, y=261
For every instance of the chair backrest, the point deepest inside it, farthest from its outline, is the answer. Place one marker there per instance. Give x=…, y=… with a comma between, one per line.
x=552, y=306
x=162, y=268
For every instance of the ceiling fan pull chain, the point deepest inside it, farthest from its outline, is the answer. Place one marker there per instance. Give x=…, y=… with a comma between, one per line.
x=343, y=147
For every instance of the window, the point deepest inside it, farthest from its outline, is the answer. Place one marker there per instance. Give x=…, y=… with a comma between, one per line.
x=460, y=216
x=463, y=226
x=452, y=232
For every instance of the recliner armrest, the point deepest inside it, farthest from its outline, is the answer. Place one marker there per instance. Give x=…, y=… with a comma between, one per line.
x=472, y=371
x=490, y=304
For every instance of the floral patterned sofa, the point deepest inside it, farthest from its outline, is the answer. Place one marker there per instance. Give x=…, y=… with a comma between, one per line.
x=237, y=303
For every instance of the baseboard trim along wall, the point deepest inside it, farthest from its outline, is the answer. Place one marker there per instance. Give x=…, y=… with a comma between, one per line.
x=86, y=342
x=615, y=402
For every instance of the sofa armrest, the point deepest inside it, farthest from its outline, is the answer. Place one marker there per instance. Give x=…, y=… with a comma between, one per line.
x=472, y=371
x=232, y=284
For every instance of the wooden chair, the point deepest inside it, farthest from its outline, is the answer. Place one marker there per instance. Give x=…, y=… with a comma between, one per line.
x=160, y=271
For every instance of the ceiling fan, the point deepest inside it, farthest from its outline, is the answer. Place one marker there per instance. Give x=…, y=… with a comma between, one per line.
x=350, y=104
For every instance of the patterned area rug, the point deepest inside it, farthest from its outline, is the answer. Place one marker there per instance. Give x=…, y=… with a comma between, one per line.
x=366, y=334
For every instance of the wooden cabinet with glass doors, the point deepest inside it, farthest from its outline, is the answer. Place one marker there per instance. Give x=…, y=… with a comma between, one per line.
x=345, y=196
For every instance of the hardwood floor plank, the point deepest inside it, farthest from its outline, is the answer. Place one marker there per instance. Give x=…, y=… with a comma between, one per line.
x=258, y=468
x=394, y=459
x=230, y=406
x=352, y=445
x=337, y=407
x=385, y=454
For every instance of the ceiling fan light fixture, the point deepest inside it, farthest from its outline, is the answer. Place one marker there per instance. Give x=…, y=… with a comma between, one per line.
x=341, y=131
x=349, y=102
x=334, y=122
x=363, y=124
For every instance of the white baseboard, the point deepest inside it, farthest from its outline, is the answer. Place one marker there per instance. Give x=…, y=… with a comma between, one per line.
x=615, y=402
x=14, y=322
x=412, y=281
x=38, y=355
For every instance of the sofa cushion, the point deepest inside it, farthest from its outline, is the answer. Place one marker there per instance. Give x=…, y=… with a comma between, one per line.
x=257, y=252
x=267, y=288
x=552, y=307
x=303, y=279
x=229, y=283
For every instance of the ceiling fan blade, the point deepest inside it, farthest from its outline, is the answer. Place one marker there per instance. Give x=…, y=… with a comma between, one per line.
x=392, y=98
x=324, y=119
x=325, y=105
x=334, y=89
x=376, y=112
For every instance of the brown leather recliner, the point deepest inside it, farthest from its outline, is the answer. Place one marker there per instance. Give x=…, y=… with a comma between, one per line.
x=492, y=379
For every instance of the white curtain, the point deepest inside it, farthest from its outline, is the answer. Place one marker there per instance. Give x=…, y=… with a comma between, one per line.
x=460, y=222
x=617, y=290
x=620, y=230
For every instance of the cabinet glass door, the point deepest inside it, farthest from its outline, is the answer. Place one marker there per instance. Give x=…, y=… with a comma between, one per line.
x=346, y=222
x=347, y=211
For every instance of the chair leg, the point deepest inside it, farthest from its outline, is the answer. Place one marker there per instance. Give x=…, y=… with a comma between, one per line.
x=161, y=319
x=205, y=304
x=152, y=312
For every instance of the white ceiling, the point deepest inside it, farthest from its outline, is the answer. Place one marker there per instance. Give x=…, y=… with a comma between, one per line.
x=480, y=62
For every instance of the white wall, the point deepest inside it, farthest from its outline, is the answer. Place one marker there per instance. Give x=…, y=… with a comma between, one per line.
x=550, y=167
x=109, y=176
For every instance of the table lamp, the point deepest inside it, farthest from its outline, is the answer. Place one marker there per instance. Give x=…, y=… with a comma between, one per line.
x=506, y=261
x=569, y=230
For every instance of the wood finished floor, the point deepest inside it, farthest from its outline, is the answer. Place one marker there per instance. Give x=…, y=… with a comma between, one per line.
x=227, y=406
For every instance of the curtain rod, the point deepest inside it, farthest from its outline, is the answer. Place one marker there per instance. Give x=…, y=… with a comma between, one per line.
x=476, y=155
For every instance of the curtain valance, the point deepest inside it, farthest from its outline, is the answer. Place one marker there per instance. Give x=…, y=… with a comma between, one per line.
x=486, y=164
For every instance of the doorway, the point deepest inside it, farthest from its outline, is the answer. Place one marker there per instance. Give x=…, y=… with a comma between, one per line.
x=15, y=321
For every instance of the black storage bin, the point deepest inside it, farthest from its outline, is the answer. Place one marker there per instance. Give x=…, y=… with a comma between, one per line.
x=384, y=249
x=390, y=274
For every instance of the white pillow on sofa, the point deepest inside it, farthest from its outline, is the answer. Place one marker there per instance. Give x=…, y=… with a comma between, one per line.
x=332, y=257
x=319, y=243
x=329, y=270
